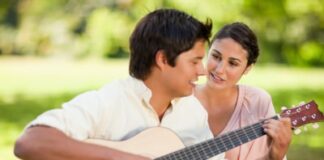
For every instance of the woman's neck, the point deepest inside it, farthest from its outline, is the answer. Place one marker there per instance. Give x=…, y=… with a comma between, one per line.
x=220, y=105
x=218, y=96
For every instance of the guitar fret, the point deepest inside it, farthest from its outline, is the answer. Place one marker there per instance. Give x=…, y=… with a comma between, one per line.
x=193, y=152
x=208, y=149
x=173, y=156
x=223, y=143
x=246, y=135
x=251, y=132
x=228, y=141
x=219, y=144
x=204, y=152
x=214, y=145
x=233, y=139
x=190, y=153
x=237, y=136
x=213, y=148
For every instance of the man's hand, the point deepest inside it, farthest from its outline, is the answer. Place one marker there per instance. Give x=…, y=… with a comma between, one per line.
x=279, y=132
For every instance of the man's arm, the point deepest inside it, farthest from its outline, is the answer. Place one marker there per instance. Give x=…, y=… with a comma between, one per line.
x=42, y=142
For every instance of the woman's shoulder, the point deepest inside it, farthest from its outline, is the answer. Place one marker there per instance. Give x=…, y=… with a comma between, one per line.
x=256, y=101
x=255, y=93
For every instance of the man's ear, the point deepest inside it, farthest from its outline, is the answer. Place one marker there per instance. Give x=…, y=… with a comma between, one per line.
x=160, y=59
x=247, y=69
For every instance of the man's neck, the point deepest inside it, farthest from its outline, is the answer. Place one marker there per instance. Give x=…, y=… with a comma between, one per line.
x=160, y=99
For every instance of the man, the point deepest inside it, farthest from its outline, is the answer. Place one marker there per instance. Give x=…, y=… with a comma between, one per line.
x=167, y=48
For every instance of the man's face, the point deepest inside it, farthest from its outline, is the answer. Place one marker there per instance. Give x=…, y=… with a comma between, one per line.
x=180, y=79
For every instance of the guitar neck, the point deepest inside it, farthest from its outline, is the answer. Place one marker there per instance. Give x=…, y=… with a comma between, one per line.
x=219, y=144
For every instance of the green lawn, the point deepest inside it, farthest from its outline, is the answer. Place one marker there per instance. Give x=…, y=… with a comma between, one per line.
x=31, y=86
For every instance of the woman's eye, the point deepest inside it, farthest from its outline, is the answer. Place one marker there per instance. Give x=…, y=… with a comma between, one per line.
x=216, y=56
x=233, y=64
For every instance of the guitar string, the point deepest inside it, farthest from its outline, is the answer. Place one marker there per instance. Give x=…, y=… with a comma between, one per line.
x=200, y=148
x=250, y=134
x=238, y=135
x=203, y=148
x=191, y=155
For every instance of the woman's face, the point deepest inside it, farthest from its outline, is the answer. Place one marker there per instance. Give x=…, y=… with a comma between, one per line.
x=227, y=62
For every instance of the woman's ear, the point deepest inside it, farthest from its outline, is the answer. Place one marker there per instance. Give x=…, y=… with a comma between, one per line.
x=247, y=69
x=160, y=59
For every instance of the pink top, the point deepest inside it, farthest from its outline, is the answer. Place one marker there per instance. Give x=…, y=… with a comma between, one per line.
x=253, y=104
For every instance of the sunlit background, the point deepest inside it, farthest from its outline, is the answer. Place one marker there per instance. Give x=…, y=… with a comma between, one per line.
x=52, y=50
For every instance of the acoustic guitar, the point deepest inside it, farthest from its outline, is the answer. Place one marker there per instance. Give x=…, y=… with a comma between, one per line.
x=163, y=144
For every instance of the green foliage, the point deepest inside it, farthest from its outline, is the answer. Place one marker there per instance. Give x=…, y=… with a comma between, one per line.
x=310, y=52
x=285, y=27
x=108, y=33
x=289, y=31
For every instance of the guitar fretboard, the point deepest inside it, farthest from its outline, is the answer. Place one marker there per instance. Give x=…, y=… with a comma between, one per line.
x=218, y=145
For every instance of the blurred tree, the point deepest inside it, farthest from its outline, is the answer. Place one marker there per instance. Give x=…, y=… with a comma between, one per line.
x=284, y=27
x=289, y=31
x=11, y=15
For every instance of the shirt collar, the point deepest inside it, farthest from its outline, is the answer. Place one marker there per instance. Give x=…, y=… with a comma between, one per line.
x=144, y=92
x=141, y=89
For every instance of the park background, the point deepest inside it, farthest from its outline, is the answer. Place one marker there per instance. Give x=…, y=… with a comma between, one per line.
x=52, y=50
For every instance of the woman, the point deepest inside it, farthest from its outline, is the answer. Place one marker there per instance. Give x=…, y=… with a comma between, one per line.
x=230, y=106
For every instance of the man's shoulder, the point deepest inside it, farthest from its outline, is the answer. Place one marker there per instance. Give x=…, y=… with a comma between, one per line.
x=122, y=88
x=188, y=99
x=189, y=104
x=117, y=86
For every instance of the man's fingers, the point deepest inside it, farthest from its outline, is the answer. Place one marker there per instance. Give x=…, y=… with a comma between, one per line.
x=286, y=121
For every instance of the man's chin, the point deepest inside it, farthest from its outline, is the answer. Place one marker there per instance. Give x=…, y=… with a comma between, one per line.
x=188, y=93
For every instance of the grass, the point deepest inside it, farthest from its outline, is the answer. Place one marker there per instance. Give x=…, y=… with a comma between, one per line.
x=32, y=86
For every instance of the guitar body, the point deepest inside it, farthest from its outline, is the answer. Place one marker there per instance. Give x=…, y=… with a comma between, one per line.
x=153, y=142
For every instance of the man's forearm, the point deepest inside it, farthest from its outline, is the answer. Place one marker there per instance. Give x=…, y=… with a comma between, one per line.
x=42, y=142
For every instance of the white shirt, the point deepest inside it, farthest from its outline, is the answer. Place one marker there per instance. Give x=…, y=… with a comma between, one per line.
x=121, y=109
